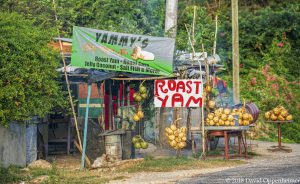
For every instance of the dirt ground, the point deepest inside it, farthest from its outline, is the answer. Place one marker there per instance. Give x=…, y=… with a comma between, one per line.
x=258, y=147
x=72, y=162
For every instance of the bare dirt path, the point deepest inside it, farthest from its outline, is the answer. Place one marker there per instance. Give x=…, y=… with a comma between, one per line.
x=270, y=167
x=267, y=165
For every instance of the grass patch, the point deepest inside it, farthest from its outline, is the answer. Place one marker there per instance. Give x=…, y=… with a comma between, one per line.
x=15, y=174
x=275, y=139
x=12, y=174
x=172, y=164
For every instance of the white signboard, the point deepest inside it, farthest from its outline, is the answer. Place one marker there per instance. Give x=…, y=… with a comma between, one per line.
x=178, y=93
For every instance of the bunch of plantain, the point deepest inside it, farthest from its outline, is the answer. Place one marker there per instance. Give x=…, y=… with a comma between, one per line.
x=138, y=115
x=142, y=94
x=279, y=113
x=139, y=96
x=138, y=142
x=176, y=136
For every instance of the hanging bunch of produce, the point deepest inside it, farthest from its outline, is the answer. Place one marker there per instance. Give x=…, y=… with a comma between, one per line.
x=139, y=97
x=279, y=113
x=138, y=142
x=176, y=136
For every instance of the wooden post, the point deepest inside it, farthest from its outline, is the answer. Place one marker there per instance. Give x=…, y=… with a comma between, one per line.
x=235, y=52
x=110, y=107
x=85, y=125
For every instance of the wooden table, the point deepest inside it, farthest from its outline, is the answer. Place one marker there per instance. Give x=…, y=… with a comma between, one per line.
x=226, y=131
x=279, y=147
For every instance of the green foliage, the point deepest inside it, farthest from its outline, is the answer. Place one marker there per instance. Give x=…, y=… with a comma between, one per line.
x=12, y=174
x=269, y=57
x=204, y=28
x=27, y=70
x=139, y=17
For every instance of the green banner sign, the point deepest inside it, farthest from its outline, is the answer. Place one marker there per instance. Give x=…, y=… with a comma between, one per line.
x=92, y=48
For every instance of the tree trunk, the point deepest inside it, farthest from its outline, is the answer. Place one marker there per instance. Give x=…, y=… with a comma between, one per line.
x=171, y=18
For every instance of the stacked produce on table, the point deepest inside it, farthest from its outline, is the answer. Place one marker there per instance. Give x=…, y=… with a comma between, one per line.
x=226, y=117
x=176, y=136
x=279, y=113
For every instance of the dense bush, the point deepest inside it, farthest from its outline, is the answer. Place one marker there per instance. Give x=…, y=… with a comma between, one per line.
x=28, y=85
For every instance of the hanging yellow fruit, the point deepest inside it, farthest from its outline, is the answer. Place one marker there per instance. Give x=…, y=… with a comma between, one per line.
x=211, y=104
x=138, y=98
x=183, y=129
x=144, y=95
x=171, y=137
x=208, y=88
x=181, y=145
x=142, y=89
x=136, y=118
x=181, y=135
x=140, y=114
x=169, y=130
x=173, y=143
x=173, y=127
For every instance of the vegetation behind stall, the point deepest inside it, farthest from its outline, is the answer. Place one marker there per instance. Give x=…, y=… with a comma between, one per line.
x=269, y=39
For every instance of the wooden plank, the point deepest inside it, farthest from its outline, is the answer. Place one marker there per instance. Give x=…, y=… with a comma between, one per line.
x=227, y=128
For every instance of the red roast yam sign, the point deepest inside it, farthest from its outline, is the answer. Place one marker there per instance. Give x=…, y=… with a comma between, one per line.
x=178, y=93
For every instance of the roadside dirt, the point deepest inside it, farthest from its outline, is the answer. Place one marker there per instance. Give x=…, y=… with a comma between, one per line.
x=258, y=147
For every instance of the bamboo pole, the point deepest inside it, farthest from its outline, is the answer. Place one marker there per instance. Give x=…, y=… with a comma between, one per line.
x=85, y=126
x=87, y=160
x=67, y=80
x=235, y=52
x=216, y=33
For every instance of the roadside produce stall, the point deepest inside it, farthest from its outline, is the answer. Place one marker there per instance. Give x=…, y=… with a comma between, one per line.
x=118, y=59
